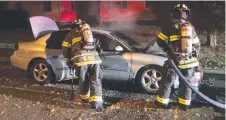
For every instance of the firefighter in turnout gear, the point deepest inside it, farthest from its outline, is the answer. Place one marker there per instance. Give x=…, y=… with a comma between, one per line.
x=179, y=40
x=80, y=54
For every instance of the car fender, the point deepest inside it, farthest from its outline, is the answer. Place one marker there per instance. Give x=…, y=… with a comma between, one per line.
x=140, y=60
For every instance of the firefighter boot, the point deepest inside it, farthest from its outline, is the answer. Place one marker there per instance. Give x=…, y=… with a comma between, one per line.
x=183, y=107
x=97, y=105
x=164, y=106
x=85, y=100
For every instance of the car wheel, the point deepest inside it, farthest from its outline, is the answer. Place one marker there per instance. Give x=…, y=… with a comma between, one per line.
x=41, y=72
x=148, y=78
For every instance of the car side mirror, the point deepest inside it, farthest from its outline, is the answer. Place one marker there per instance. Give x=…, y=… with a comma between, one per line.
x=119, y=48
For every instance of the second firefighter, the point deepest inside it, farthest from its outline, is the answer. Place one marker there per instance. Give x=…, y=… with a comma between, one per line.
x=180, y=41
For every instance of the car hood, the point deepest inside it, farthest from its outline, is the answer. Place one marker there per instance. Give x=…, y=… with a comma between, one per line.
x=41, y=26
x=153, y=49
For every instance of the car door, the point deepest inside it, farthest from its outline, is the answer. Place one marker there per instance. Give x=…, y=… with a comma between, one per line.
x=54, y=55
x=116, y=61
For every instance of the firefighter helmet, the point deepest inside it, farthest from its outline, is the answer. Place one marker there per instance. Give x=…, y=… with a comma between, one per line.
x=76, y=24
x=181, y=7
x=179, y=10
x=77, y=21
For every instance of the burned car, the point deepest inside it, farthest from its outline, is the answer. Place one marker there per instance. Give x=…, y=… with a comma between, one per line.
x=43, y=59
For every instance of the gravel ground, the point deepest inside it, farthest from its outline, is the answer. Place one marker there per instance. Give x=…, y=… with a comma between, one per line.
x=21, y=99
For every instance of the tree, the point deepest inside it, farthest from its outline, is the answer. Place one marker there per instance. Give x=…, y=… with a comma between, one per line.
x=214, y=13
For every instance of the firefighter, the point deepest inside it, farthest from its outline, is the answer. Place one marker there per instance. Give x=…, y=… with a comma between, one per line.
x=180, y=41
x=80, y=53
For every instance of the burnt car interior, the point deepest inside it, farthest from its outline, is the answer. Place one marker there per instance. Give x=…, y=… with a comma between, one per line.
x=56, y=39
x=107, y=43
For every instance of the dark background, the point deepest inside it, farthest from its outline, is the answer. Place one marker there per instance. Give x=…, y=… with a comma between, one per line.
x=203, y=14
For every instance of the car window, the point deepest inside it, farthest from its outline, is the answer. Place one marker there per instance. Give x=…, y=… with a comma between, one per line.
x=106, y=43
x=56, y=39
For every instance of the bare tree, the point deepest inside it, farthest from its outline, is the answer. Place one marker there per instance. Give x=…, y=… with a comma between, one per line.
x=215, y=18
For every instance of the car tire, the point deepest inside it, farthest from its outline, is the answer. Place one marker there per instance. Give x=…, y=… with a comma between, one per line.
x=41, y=72
x=143, y=82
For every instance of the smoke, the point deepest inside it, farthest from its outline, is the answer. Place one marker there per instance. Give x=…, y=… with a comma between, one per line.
x=116, y=18
x=122, y=21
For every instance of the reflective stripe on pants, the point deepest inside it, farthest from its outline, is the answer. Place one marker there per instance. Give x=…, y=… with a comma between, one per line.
x=162, y=100
x=184, y=101
x=85, y=96
x=96, y=98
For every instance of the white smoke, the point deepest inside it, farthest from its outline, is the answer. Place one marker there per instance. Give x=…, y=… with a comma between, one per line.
x=122, y=21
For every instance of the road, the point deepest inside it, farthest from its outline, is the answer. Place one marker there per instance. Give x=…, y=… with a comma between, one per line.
x=21, y=99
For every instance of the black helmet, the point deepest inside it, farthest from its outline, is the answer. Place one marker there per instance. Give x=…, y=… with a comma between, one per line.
x=181, y=7
x=178, y=11
x=76, y=24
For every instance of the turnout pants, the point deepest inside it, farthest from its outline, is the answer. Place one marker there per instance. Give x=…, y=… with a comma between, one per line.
x=168, y=81
x=90, y=85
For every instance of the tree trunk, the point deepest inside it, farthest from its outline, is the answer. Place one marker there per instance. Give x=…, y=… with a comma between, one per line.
x=212, y=38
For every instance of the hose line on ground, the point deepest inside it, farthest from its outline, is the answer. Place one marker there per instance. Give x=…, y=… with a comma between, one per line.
x=220, y=105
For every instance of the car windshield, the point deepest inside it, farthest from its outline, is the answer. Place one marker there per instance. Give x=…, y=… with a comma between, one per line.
x=124, y=38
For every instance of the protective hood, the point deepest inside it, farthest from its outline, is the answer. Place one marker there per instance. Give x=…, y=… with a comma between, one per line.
x=41, y=26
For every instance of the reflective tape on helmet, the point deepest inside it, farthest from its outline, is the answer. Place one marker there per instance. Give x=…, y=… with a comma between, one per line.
x=76, y=40
x=178, y=5
x=184, y=101
x=195, y=40
x=162, y=36
x=85, y=96
x=162, y=100
x=96, y=98
x=191, y=65
x=184, y=6
x=66, y=44
x=174, y=37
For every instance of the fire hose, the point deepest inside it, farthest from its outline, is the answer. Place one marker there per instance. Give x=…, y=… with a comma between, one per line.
x=220, y=105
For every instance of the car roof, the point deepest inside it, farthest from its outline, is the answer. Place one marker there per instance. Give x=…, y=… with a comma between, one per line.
x=93, y=29
x=99, y=30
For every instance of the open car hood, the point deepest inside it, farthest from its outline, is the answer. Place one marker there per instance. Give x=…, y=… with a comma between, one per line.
x=41, y=26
